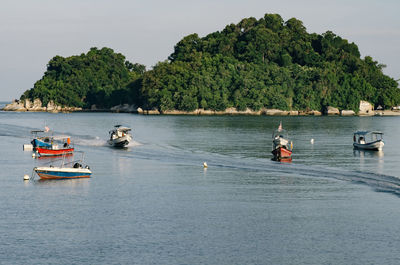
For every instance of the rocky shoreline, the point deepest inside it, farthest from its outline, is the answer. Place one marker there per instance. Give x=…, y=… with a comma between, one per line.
x=37, y=106
x=366, y=109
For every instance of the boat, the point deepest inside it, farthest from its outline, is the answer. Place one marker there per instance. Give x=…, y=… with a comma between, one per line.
x=119, y=136
x=368, y=140
x=59, y=145
x=281, y=145
x=70, y=170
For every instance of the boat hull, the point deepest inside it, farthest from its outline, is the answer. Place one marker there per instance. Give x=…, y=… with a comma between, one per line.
x=62, y=173
x=54, y=152
x=373, y=146
x=281, y=153
x=120, y=141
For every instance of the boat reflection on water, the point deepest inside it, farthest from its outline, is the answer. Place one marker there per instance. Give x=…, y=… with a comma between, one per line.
x=370, y=159
x=76, y=182
x=367, y=153
x=284, y=160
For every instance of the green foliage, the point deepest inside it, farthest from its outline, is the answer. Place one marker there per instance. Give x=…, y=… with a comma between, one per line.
x=100, y=77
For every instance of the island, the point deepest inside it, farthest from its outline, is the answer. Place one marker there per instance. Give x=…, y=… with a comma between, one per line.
x=264, y=66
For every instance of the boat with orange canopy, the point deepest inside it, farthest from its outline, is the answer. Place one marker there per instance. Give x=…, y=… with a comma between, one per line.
x=59, y=145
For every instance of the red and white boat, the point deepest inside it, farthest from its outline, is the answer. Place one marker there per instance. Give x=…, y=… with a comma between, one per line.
x=59, y=146
x=281, y=145
x=54, y=151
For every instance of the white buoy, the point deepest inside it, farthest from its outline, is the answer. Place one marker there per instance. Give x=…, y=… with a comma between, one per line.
x=26, y=177
x=312, y=141
x=27, y=147
x=205, y=165
x=33, y=155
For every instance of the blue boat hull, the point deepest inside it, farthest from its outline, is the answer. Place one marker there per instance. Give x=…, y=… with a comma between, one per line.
x=62, y=173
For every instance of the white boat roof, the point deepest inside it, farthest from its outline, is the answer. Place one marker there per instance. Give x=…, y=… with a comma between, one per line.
x=122, y=128
x=60, y=137
x=368, y=132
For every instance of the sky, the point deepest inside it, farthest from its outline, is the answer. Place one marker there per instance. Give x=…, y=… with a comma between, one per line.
x=145, y=31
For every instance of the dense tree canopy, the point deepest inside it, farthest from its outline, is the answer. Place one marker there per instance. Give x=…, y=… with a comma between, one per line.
x=265, y=63
x=100, y=77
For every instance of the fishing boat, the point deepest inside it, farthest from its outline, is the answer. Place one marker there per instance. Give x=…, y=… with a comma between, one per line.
x=119, y=136
x=368, y=140
x=70, y=170
x=281, y=145
x=59, y=145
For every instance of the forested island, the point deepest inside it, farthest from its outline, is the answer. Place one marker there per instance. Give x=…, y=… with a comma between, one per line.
x=267, y=63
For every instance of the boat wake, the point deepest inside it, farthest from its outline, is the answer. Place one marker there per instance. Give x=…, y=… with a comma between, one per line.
x=10, y=130
x=379, y=182
x=176, y=155
x=133, y=144
x=87, y=140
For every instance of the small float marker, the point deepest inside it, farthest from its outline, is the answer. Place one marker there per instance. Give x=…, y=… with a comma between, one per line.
x=205, y=165
x=26, y=177
x=312, y=141
x=33, y=155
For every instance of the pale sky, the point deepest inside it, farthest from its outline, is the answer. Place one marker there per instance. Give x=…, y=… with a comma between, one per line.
x=34, y=31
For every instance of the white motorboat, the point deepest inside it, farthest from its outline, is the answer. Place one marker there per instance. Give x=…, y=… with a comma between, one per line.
x=74, y=170
x=368, y=140
x=120, y=136
x=78, y=171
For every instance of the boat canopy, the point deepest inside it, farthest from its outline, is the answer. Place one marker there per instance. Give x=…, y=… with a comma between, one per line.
x=60, y=137
x=121, y=128
x=125, y=129
x=367, y=132
x=37, y=131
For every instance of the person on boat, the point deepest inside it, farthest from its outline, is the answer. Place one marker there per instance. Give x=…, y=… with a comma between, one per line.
x=361, y=140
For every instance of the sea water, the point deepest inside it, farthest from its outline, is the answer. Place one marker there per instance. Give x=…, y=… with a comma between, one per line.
x=154, y=203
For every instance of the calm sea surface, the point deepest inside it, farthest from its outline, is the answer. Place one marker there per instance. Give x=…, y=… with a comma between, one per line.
x=153, y=203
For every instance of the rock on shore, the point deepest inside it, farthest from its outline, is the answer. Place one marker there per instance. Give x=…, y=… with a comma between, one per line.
x=15, y=106
x=347, y=113
x=332, y=111
x=366, y=108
